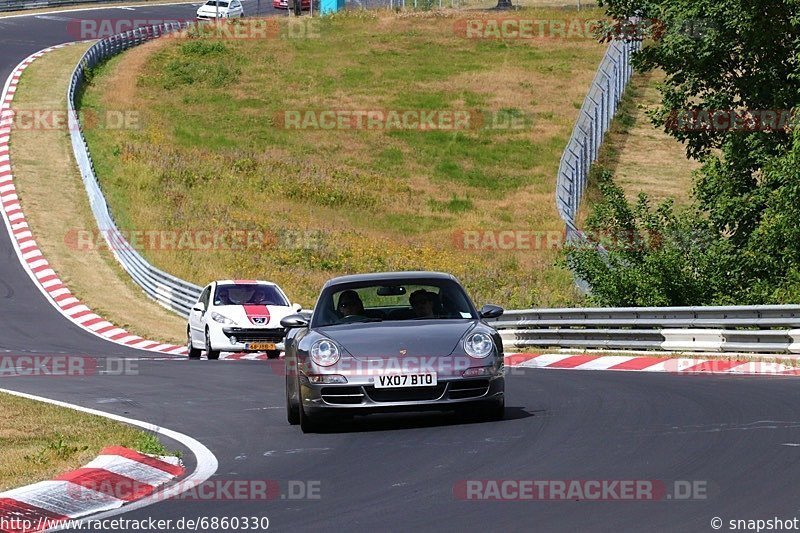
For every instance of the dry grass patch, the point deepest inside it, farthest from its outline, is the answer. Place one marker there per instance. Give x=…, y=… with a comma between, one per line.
x=57, y=208
x=39, y=441
x=643, y=158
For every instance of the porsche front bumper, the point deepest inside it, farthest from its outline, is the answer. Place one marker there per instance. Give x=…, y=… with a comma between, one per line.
x=363, y=398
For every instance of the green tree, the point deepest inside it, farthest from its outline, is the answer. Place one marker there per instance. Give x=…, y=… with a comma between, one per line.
x=739, y=241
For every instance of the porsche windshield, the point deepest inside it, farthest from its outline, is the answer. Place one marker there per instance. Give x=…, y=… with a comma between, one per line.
x=392, y=301
x=248, y=294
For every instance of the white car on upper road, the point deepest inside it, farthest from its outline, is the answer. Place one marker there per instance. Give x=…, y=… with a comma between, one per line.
x=238, y=316
x=228, y=9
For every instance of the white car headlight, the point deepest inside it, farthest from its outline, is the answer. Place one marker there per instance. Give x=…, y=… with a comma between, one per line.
x=478, y=345
x=324, y=352
x=222, y=319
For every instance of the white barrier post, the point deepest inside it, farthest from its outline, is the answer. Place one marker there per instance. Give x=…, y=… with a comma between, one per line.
x=794, y=334
x=692, y=340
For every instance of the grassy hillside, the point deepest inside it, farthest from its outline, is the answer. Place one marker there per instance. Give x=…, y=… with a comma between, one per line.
x=211, y=150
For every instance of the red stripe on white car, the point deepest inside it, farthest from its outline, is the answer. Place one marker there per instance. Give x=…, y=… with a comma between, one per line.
x=116, y=477
x=256, y=311
x=29, y=253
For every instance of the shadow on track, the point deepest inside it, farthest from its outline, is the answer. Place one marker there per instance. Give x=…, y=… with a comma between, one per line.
x=415, y=420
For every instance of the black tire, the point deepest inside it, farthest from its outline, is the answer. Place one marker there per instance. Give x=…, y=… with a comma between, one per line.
x=307, y=423
x=273, y=354
x=194, y=353
x=212, y=355
x=495, y=411
x=292, y=409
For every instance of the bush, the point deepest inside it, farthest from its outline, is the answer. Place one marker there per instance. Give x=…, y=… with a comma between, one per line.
x=657, y=256
x=640, y=256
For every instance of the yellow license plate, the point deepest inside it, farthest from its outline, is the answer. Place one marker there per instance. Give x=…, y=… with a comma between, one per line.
x=265, y=346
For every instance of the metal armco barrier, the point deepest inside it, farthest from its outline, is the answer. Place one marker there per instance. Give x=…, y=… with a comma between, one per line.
x=757, y=329
x=594, y=119
x=17, y=5
x=169, y=291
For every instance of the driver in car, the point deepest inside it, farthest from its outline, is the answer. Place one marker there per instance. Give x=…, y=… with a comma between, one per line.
x=422, y=302
x=350, y=304
x=223, y=298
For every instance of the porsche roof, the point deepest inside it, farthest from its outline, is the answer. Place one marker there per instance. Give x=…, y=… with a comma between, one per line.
x=243, y=282
x=389, y=276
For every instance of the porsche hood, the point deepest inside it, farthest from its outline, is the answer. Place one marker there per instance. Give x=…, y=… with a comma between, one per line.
x=367, y=341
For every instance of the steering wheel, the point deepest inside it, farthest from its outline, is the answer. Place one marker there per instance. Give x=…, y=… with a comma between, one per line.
x=352, y=317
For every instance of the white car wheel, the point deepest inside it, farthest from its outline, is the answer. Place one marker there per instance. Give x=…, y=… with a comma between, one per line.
x=211, y=354
x=194, y=353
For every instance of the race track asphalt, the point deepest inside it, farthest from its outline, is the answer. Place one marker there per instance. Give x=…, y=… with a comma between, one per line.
x=738, y=437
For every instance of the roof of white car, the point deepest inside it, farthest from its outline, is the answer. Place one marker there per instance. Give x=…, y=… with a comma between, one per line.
x=244, y=282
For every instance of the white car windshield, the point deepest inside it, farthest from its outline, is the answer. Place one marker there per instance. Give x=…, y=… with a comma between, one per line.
x=248, y=294
x=212, y=3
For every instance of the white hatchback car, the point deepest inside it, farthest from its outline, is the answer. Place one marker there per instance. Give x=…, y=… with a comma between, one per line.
x=238, y=316
x=224, y=9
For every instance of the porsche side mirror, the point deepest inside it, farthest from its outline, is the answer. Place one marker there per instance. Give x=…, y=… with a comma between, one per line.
x=199, y=306
x=294, y=321
x=491, y=311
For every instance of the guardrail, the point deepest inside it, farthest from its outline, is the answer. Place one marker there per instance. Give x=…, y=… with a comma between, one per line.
x=593, y=121
x=715, y=329
x=17, y=5
x=169, y=291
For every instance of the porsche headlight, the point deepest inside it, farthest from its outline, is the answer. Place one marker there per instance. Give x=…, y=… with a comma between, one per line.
x=222, y=319
x=478, y=345
x=324, y=352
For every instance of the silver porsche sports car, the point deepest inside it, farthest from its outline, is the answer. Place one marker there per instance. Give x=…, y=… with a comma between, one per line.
x=392, y=341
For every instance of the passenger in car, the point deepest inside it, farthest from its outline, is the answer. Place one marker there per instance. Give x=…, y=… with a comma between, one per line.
x=261, y=297
x=350, y=304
